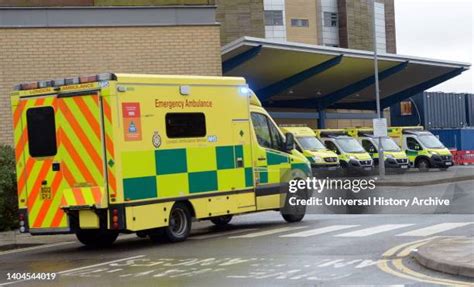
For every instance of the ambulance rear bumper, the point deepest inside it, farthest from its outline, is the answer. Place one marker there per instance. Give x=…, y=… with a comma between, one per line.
x=50, y=231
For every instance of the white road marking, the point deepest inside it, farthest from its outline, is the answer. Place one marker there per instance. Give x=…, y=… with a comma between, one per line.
x=373, y=230
x=318, y=231
x=268, y=232
x=433, y=229
x=219, y=234
x=99, y=264
x=36, y=247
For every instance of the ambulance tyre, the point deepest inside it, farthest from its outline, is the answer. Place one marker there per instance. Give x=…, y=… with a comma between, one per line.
x=96, y=237
x=294, y=213
x=423, y=165
x=221, y=220
x=179, y=223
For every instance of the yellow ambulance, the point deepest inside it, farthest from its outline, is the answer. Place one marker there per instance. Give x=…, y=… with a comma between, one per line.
x=352, y=156
x=424, y=150
x=394, y=157
x=312, y=148
x=122, y=153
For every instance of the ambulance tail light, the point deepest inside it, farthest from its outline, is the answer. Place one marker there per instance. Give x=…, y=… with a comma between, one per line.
x=115, y=224
x=21, y=221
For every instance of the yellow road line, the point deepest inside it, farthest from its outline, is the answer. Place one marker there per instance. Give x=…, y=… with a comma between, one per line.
x=392, y=251
x=404, y=269
x=401, y=270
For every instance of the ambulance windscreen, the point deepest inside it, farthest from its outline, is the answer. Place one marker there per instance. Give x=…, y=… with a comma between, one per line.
x=430, y=141
x=311, y=143
x=41, y=126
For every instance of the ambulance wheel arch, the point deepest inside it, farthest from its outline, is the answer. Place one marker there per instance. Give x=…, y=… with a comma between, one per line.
x=294, y=213
x=422, y=163
x=343, y=163
x=179, y=224
x=180, y=221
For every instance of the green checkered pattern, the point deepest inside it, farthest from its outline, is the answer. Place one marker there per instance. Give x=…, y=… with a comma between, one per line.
x=179, y=172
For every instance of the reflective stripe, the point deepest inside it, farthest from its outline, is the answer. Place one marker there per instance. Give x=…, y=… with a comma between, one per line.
x=81, y=135
x=94, y=124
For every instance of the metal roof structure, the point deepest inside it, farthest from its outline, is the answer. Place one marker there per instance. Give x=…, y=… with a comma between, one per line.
x=295, y=75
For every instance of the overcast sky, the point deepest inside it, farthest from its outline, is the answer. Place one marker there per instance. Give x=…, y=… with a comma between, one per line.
x=441, y=29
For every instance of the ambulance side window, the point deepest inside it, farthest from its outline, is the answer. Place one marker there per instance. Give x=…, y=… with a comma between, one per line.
x=260, y=124
x=331, y=146
x=368, y=146
x=413, y=144
x=277, y=140
x=41, y=126
x=185, y=125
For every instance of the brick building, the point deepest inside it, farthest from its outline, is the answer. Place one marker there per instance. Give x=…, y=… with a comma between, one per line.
x=167, y=36
x=39, y=44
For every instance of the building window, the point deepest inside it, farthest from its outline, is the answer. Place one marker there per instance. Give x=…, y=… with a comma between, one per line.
x=406, y=108
x=273, y=18
x=299, y=22
x=41, y=126
x=185, y=125
x=330, y=19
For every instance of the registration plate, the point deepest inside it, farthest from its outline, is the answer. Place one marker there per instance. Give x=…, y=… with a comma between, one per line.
x=367, y=168
x=448, y=163
x=404, y=166
x=45, y=193
x=332, y=168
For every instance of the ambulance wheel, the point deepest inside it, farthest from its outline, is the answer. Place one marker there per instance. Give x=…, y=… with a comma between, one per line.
x=291, y=218
x=423, y=165
x=179, y=225
x=221, y=220
x=96, y=237
x=142, y=234
x=294, y=213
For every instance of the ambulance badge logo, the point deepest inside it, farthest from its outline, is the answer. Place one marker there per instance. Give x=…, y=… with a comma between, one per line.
x=156, y=139
x=132, y=128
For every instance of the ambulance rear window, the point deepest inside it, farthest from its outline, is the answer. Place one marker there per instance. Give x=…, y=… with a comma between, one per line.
x=185, y=125
x=41, y=128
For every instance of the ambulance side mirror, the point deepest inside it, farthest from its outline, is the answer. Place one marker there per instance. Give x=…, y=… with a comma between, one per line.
x=289, y=142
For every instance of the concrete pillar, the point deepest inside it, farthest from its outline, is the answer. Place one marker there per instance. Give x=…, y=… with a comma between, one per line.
x=322, y=119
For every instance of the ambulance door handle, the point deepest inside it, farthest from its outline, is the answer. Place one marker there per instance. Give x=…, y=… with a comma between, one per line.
x=262, y=158
x=56, y=166
x=240, y=162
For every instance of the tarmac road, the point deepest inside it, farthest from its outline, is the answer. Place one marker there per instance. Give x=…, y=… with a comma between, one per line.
x=260, y=249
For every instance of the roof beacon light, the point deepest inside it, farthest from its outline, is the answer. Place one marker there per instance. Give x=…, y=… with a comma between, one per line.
x=71, y=81
x=87, y=79
x=45, y=84
x=104, y=77
x=244, y=91
x=29, y=86
x=59, y=82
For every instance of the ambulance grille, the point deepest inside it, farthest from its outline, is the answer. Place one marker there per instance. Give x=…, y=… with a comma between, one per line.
x=330, y=159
